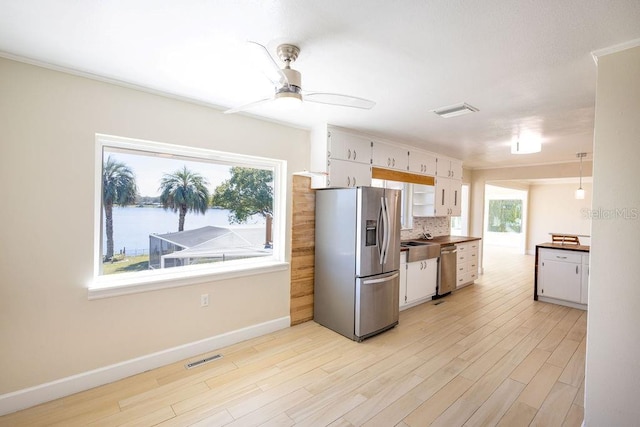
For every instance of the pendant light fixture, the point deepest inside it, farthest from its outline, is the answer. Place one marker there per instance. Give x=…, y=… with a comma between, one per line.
x=580, y=191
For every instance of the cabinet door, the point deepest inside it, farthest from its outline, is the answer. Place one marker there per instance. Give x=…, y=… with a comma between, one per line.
x=389, y=156
x=442, y=197
x=344, y=146
x=422, y=163
x=443, y=167
x=584, y=291
x=348, y=174
x=455, y=191
x=431, y=276
x=416, y=281
x=455, y=168
x=448, y=168
x=403, y=279
x=561, y=280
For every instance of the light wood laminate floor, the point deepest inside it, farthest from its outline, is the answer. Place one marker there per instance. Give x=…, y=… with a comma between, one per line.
x=485, y=355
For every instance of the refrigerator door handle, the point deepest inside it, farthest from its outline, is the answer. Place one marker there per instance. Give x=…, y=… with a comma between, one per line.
x=387, y=229
x=379, y=236
x=384, y=279
x=385, y=238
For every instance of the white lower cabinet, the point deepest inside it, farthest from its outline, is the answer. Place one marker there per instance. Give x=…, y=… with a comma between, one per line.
x=418, y=281
x=467, y=263
x=563, y=276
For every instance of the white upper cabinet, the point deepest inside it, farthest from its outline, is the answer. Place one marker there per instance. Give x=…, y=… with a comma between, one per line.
x=449, y=168
x=343, y=158
x=390, y=156
x=422, y=163
x=342, y=173
x=345, y=146
x=339, y=158
x=443, y=199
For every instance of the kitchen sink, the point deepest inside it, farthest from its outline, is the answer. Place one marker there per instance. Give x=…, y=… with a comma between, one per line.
x=420, y=250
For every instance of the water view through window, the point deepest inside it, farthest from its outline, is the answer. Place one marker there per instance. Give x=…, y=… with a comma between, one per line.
x=164, y=210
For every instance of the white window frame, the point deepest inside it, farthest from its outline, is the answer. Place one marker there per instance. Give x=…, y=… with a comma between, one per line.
x=102, y=286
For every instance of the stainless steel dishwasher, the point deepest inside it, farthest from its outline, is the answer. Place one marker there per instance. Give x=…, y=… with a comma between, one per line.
x=448, y=269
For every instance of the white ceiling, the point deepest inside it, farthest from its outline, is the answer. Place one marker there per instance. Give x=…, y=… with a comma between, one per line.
x=525, y=64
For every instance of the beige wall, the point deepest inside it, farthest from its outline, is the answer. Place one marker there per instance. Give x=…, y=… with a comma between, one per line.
x=48, y=327
x=554, y=208
x=612, y=382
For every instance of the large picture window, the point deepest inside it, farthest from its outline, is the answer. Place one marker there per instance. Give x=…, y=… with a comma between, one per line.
x=173, y=208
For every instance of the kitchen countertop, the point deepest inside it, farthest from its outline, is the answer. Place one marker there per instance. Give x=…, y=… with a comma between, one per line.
x=444, y=240
x=580, y=248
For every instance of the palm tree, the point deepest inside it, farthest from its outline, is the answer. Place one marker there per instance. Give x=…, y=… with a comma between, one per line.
x=184, y=191
x=118, y=188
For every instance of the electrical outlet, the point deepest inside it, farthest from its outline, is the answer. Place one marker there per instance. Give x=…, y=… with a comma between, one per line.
x=204, y=300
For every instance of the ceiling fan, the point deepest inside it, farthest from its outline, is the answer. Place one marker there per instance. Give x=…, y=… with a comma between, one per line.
x=287, y=82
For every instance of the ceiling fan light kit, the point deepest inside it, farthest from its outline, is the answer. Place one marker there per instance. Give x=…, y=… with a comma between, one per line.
x=287, y=83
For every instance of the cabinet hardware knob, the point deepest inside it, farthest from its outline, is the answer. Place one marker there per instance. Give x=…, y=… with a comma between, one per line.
x=348, y=154
x=348, y=181
x=354, y=154
x=354, y=181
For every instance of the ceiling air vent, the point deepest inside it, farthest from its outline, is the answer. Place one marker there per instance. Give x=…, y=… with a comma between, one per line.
x=455, y=110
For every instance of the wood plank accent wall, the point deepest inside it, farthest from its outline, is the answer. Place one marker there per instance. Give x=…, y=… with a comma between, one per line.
x=303, y=225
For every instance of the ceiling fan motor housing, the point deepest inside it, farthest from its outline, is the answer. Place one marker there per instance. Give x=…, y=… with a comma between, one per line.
x=294, y=87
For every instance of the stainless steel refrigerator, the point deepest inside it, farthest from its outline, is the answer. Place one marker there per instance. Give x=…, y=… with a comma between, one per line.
x=357, y=258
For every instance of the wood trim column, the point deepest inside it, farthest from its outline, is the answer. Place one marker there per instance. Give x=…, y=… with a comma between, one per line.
x=303, y=225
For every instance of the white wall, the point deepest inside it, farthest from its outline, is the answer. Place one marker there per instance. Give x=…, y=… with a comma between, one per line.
x=553, y=208
x=613, y=333
x=48, y=327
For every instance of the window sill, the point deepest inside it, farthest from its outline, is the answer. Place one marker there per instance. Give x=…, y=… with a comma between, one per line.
x=112, y=286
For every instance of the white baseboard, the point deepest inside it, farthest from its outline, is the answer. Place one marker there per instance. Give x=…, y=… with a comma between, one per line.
x=25, y=398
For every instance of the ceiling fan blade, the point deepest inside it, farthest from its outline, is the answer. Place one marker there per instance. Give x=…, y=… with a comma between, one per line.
x=247, y=106
x=266, y=64
x=338, y=99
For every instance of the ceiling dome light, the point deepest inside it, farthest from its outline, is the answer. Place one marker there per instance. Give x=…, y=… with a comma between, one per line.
x=527, y=146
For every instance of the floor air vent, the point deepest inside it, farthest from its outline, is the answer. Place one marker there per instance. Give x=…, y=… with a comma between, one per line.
x=203, y=361
x=439, y=302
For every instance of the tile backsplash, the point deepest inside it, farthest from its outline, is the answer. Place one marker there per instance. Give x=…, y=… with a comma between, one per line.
x=436, y=226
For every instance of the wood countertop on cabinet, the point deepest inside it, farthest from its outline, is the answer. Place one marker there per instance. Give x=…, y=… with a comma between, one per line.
x=443, y=240
x=565, y=247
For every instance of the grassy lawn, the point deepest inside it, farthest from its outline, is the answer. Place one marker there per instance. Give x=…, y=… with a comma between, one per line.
x=126, y=264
